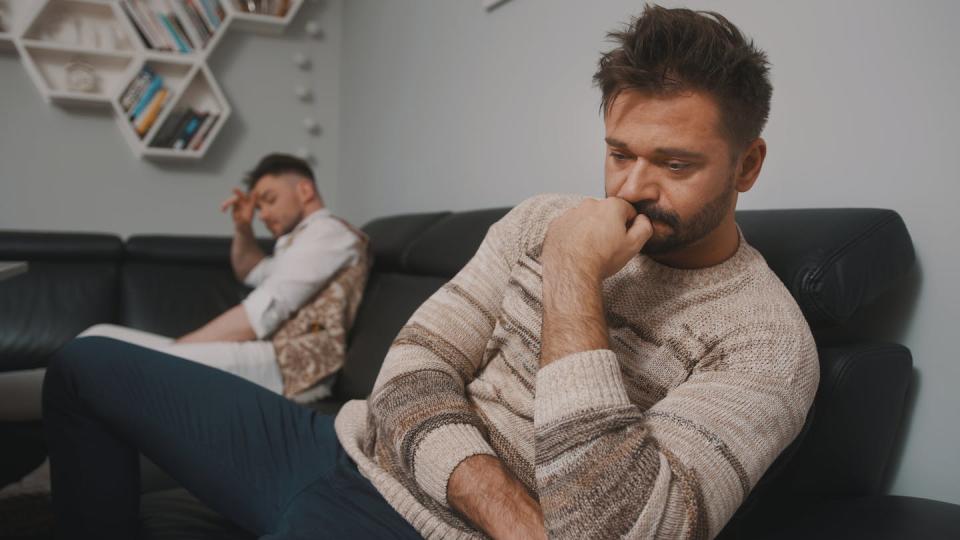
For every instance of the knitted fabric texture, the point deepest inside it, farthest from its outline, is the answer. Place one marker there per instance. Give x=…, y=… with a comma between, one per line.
x=709, y=376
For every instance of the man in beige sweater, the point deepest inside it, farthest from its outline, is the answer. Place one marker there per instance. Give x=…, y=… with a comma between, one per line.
x=617, y=367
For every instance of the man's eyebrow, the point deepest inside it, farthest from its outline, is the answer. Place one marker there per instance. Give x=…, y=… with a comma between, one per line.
x=616, y=143
x=665, y=151
x=680, y=153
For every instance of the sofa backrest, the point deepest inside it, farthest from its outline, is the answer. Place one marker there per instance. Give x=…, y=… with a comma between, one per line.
x=413, y=256
x=71, y=285
x=171, y=285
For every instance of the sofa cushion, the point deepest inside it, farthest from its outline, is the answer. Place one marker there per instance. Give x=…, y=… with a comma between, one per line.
x=71, y=284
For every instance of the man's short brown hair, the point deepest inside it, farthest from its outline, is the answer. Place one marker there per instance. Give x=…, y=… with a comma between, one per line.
x=669, y=51
x=275, y=164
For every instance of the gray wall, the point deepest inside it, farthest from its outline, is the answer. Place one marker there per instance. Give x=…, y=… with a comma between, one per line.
x=444, y=106
x=69, y=169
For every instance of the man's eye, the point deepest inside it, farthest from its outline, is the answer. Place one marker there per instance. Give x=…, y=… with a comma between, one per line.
x=617, y=156
x=677, y=166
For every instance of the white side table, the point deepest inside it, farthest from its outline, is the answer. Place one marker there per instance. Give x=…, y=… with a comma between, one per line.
x=8, y=269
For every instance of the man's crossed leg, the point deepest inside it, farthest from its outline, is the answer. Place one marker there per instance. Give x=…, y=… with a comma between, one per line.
x=270, y=465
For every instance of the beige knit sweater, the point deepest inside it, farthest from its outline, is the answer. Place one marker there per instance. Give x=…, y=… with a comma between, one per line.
x=709, y=375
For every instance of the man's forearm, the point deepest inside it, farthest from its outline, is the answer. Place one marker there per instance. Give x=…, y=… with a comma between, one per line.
x=245, y=253
x=573, y=319
x=483, y=490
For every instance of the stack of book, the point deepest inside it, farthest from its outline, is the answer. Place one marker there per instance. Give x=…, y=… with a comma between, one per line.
x=185, y=129
x=175, y=25
x=277, y=8
x=144, y=99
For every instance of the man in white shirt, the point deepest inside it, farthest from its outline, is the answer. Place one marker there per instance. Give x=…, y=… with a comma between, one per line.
x=312, y=246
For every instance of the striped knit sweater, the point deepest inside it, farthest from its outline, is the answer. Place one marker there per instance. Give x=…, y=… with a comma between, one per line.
x=709, y=376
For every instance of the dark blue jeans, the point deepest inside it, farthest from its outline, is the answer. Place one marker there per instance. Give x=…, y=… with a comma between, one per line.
x=273, y=467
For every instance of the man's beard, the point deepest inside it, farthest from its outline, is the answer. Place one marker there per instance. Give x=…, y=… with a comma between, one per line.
x=685, y=233
x=289, y=226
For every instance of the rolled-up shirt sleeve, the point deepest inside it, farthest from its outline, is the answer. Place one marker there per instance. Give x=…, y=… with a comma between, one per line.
x=258, y=273
x=296, y=274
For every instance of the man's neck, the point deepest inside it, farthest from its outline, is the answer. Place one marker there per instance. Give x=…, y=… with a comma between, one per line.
x=718, y=246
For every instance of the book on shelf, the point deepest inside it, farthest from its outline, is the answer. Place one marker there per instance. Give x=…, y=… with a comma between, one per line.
x=175, y=25
x=276, y=8
x=144, y=99
x=185, y=129
x=149, y=115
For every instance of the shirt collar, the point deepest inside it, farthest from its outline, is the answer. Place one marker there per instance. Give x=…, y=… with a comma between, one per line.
x=304, y=223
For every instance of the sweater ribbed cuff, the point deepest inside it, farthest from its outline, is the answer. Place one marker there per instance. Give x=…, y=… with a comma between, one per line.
x=578, y=383
x=441, y=451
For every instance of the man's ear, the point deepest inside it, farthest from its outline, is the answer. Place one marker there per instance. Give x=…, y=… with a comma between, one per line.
x=305, y=191
x=750, y=163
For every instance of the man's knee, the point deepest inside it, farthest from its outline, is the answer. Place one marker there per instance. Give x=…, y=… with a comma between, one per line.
x=78, y=359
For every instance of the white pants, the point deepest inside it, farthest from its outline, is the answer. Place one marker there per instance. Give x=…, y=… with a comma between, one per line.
x=252, y=360
x=255, y=361
x=20, y=391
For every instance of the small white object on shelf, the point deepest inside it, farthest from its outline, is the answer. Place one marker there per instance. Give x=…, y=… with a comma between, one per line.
x=261, y=22
x=81, y=77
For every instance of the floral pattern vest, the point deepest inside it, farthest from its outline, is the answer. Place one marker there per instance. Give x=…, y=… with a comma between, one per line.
x=312, y=345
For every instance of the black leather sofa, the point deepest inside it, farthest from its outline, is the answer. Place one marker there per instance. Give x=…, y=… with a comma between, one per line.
x=836, y=262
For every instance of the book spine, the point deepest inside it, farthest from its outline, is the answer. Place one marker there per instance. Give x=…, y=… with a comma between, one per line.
x=149, y=10
x=172, y=32
x=205, y=128
x=197, y=20
x=135, y=90
x=151, y=113
x=137, y=19
x=171, y=127
x=155, y=85
x=212, y=14
x=184, y=24
x=187, y=132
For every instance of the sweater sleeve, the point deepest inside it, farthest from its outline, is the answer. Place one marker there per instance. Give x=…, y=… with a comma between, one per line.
x=422, y=418
x=680, y=469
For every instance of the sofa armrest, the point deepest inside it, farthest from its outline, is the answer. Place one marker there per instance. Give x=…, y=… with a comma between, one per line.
x=858, y=411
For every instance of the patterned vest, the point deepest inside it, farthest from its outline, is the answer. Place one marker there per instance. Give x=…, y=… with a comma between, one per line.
x=312, y=344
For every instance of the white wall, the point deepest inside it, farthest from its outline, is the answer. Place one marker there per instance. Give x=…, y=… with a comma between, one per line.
x=445, y=106
x=67, y=169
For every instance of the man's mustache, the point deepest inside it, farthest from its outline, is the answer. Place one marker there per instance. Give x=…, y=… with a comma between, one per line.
x=655, y=213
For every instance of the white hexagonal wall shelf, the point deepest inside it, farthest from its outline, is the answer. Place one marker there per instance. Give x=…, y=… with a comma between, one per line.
x=144, y=59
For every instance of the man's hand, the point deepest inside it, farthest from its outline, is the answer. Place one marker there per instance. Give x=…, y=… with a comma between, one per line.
x=243, y=206
x=482, y=489
x=244, y=251
x=584, y=246
x=596, y=238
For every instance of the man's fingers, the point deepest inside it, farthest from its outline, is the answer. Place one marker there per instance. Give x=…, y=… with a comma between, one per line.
x=228, y=203
x=640, y=230
x=623, y=208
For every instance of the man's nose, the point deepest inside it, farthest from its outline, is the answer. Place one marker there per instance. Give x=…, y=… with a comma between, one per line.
x=640, y=184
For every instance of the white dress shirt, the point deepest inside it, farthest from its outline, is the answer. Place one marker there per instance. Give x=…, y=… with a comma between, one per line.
x=303, y=262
